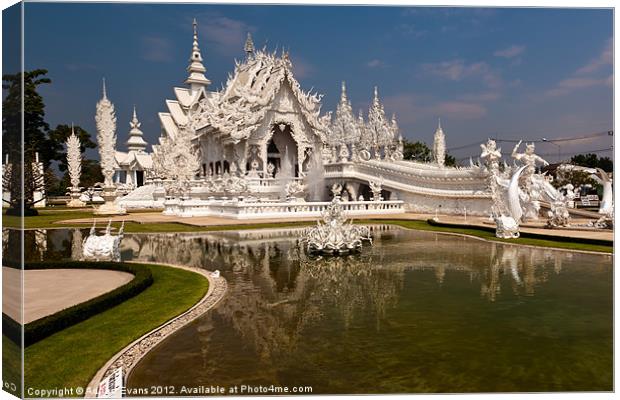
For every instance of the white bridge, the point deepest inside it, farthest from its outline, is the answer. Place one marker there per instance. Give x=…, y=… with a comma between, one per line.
x=423, y=187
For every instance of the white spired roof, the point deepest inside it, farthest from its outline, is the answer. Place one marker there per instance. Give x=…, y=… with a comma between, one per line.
x=240, y=107
x=136, y=140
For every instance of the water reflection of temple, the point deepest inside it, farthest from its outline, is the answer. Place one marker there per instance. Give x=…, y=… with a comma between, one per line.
x=277, y=291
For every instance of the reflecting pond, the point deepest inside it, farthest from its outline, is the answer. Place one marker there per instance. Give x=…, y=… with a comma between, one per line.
x=415, y=312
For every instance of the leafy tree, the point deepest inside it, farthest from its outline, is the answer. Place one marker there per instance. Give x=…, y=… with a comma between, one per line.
x=419, y=151
x=593, y=161
x=450, y=161
x=34, y=140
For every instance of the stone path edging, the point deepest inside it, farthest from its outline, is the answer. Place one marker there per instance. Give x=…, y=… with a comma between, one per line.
x=131, y=354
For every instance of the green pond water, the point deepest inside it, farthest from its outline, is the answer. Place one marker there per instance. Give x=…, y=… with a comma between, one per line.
x=415, y=312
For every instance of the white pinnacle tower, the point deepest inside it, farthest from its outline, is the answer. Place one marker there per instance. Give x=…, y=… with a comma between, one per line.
x=74, y=167
x=439, y=145
x=106, y=139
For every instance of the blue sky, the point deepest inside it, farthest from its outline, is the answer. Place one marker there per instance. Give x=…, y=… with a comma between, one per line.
x=506, y=73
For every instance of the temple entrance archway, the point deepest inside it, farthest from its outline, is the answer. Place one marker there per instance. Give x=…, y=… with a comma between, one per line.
x=282, y=151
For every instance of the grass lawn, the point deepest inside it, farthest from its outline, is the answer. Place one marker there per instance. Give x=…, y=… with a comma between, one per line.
x=70, y=358
x=11, y=366
x=46, y=218
x=425, y=226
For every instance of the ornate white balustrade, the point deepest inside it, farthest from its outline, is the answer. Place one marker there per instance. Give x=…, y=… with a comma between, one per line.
x=238, y=209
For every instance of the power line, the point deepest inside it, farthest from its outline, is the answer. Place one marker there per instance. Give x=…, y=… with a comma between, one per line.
x=606, y=149
x=541, y=140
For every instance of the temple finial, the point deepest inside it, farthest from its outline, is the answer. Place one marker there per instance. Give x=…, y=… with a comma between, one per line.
x=439, y=123
x=136, y=140
x=105, y=94
x=343, y=94
x=249, y=45
x=196, y=70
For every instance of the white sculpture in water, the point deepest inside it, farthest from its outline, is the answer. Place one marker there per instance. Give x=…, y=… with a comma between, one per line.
x=105, y=247
x=106, y=139
x=74, y=167
x=334, y=235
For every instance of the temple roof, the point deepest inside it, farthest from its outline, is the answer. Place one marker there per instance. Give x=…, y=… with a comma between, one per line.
x=133, y=160
x=240, y=107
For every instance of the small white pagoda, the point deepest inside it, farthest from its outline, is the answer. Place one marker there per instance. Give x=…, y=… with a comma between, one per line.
x=132, y=167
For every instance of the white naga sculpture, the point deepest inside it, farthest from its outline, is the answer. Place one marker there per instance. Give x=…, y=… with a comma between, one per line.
x=74, y=167
x=105, y=247
x=106, y=139
x=334, y=235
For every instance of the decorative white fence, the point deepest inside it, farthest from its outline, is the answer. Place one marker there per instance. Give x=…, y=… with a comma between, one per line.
x=255, y=210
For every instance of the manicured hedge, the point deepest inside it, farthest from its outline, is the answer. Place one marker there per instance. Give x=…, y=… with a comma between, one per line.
x=46, y=326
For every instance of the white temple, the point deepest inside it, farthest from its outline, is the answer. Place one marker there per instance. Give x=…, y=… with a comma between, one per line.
x=260, y=148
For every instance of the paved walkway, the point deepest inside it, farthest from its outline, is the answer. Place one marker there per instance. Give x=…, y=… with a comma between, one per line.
x=49, y=291
x=530, y=227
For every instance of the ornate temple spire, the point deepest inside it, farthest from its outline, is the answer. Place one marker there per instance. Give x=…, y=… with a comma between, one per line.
x=249, y=45
x=379, y=128
x=136, y=140
x=196, y=78
x=106, y=136
x=439, y=145
x=344, y=128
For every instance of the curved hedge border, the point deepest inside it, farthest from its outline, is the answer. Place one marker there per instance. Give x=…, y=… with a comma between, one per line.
x=40, y=329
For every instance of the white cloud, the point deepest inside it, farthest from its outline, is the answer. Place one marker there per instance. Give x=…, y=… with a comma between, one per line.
x=570, y=84
x=605, y=58
x=460, y=110
x=510, y=52
x=587, y=76
x=409, y=109
x=376, y=63
x=223, y=34
x=457, y=70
